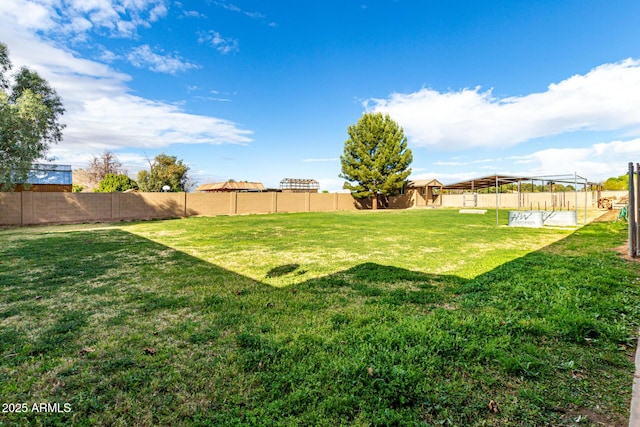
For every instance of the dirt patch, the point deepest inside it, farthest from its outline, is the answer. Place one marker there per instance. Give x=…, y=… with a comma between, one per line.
x=624, y=252
x=608, y=216
x=582, y=415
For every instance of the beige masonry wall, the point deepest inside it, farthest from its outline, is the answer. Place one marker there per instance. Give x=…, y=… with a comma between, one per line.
x=345, y=202
x=322, y=202
x=210, y=204
x=147, y=205
x=11, y=208
x=292, y=202
x=28, y=208
x=256, y=203
x=66, y=207
x=534, y=201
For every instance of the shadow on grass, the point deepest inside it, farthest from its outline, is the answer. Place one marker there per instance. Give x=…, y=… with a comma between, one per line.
x=170, y=334
x=284, y=270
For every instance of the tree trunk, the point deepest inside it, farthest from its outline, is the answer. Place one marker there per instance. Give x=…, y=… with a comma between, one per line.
x=374, y=202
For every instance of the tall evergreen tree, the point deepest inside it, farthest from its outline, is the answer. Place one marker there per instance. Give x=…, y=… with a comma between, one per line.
x=376, y=158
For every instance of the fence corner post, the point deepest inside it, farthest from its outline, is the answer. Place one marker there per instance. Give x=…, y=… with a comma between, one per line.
x=631, y=215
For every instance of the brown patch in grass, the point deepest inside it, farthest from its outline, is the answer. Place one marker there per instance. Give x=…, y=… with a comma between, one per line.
x=624, y=252
x=580, y=415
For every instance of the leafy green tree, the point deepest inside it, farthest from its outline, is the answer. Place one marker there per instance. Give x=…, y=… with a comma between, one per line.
x=165, y=170
x=5, y=66
x=617, y=183
x=376, y=158
x=30, y=80
x=114, y=183
x=29, y=121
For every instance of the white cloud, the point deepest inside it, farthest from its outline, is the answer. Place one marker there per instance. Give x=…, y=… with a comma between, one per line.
x=106, y=55
x=60, y=19
x=101, y=113
x=158, y=11
x=461, y=163
x=456, y=162
x=143, y=56
x=606, y=98
x=220, y=43
x=442, y=163
x=127, y=120
x=445, y=178
x=233, y=8
x=27, y=14
x=213, y=99
x=120, y=18
x=193, y=14
x=595, y=162
x=332, y=185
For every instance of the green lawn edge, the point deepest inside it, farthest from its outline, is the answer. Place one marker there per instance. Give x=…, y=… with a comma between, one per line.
x=135, y=325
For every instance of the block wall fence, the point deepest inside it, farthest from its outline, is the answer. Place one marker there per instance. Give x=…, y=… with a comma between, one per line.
x=33, y=208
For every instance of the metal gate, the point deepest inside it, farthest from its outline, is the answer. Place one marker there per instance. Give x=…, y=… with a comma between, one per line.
x=470, y=199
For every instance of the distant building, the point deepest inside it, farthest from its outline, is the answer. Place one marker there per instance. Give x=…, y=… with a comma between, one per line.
x=231, y=186
x=48, y=178
x=424, y=192
x=293, y=185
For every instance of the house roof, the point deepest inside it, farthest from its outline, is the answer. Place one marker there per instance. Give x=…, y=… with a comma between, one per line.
x=49, y=174
x=424, y=183
x=232, y=186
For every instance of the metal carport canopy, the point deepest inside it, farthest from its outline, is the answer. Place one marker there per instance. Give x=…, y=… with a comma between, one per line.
x=486, y=182
x=490, y=181
x=497, y=180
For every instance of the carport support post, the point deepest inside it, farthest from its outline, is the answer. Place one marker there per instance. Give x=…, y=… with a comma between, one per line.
x=497, y=222
x=585, y=202
x=575, y=192
x=631, y=215
x=637, y=188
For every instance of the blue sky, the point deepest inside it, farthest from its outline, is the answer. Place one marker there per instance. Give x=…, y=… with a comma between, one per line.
x=261, y=91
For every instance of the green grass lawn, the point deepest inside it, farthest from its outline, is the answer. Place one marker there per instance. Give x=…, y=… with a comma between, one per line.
x=418, y=317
